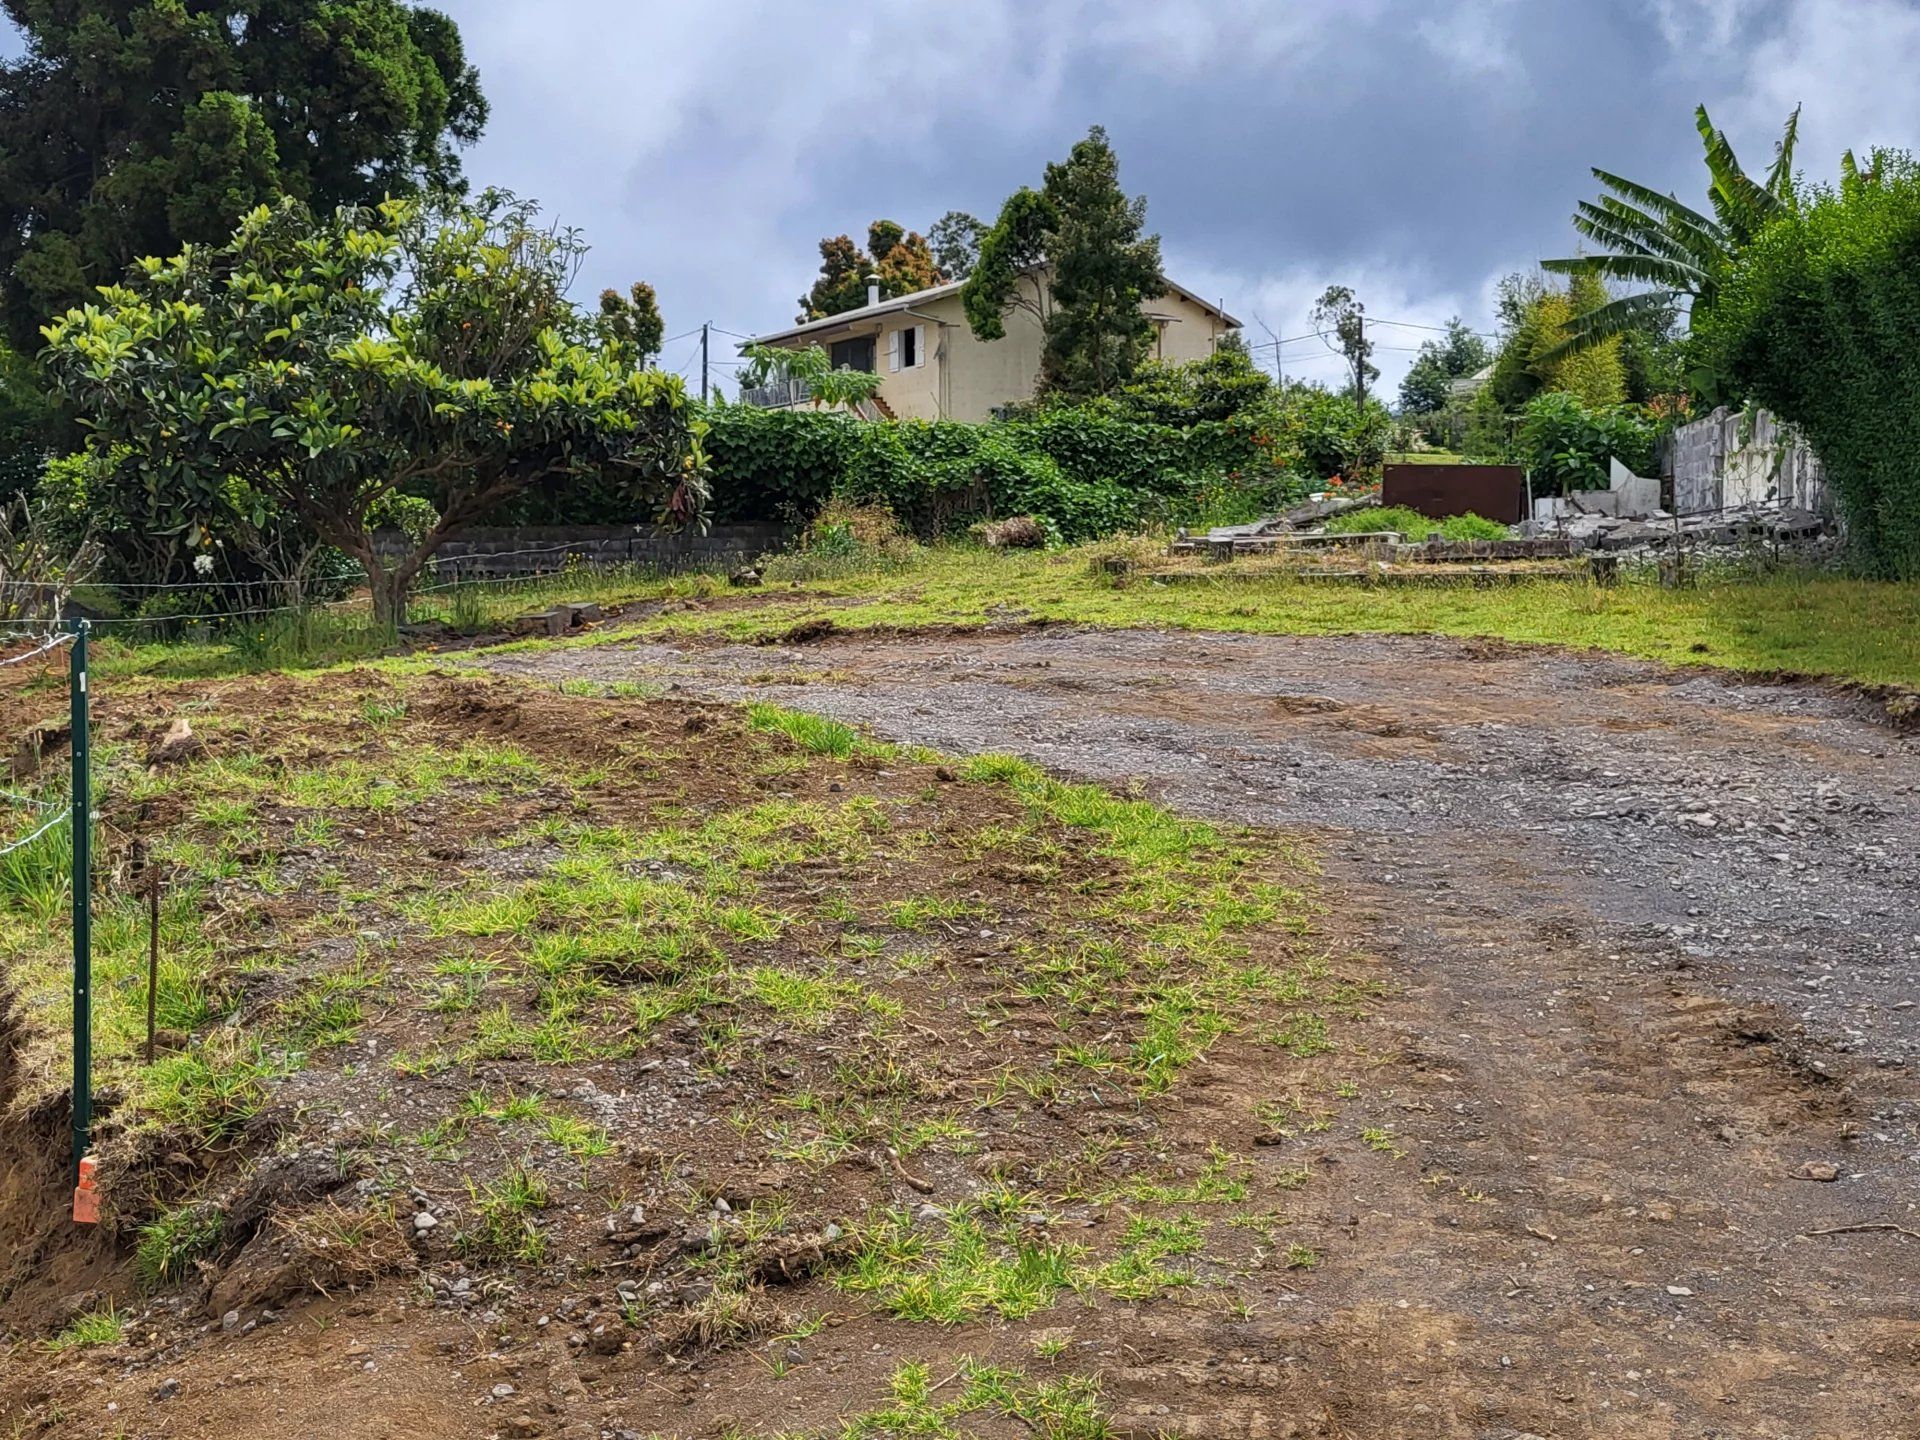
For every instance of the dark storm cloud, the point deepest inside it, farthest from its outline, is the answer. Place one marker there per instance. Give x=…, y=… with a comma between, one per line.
x=1414, y=151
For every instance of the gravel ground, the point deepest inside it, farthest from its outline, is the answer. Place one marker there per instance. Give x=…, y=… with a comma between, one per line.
x=1768, y=834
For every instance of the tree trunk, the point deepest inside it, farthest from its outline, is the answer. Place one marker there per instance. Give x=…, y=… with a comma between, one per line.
x=387, y=588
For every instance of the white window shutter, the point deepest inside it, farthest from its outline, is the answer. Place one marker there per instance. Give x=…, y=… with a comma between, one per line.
x=893, y=350
x=919, y=344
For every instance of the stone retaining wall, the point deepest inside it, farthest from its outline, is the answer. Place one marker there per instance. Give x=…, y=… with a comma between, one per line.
x=493, y=552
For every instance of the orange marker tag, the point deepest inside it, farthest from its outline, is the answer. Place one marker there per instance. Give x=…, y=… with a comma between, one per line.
x=86, y=1199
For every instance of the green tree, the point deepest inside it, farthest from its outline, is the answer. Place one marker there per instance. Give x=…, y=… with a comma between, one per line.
x=629, y=326
x=1817, y=323
x=1009, y=273
x=1342, y=322
x=1102, y=267
x=1677, y=254
x=900, y=257
x=1075, y=256
x=330, y=364
x=1428, y=385
x=1534, y=356
x=955, y=241
x=132, y=127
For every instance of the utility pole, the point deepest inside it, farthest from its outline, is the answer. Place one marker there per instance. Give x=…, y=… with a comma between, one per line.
x=703, y=361
x=1360, y=357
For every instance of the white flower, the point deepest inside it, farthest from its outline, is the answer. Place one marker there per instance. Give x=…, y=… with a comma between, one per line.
x=203, y=564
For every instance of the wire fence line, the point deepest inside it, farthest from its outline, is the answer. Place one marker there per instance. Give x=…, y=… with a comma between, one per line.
x=52, y=642
x=435, y=563
x=26, y=840
x=15, y=797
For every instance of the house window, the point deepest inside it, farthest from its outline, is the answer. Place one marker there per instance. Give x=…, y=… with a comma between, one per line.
x=907, y=348
x=856, y=354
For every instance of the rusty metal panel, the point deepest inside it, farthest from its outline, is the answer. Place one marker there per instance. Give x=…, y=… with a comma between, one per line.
x=1496, y=492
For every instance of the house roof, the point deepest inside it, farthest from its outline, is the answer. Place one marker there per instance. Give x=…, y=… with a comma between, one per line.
x=897, y=303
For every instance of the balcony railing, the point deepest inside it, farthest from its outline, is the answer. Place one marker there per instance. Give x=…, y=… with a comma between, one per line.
x=777, y=394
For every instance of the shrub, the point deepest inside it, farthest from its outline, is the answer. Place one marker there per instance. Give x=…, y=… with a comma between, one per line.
x=1472, y=527
x=1817, y=323
x=1415, y=526
x=1567, y=444
x=843, y=540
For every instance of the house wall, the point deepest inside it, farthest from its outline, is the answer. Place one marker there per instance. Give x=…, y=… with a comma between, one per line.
x=963, y=378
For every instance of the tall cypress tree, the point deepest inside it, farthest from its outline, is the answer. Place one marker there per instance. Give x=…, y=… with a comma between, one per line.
x=132, y=127
x=1103, y=268
x=1100, y=267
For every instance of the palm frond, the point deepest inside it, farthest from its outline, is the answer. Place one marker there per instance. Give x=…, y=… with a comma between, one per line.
x=1780, y=177
x=1634, y=269
x=1616, y=317
x=1668, y=207
x=1603, y=227
x=1679, y=236
x=1743, y=207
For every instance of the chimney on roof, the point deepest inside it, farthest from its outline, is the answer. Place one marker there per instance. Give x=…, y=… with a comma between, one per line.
x=873, y=289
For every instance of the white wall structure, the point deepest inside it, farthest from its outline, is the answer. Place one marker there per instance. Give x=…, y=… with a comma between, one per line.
x=1737, y=457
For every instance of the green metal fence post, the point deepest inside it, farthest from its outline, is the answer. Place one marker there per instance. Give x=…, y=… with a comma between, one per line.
x=82, y=830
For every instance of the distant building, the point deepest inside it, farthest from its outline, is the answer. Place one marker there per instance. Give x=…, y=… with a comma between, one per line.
x=933, y=368
x=1467, y=386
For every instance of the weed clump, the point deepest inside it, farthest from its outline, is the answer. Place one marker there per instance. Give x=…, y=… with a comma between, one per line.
x=842, y=541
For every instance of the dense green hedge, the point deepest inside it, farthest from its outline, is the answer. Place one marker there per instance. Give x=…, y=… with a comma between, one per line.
x=1087, y=473
x=1196, y=442
x=1818, y=324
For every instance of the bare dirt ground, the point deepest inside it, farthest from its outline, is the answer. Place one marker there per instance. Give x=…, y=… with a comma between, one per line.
x=1653, y=940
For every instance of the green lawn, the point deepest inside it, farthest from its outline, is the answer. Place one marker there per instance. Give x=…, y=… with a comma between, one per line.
x=1852, y=629
x=1859, y=630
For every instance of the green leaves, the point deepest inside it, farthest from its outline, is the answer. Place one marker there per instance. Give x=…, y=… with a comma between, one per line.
x=1567, y=444
x=1816, y=322
x=329, y=362
x=195, y=115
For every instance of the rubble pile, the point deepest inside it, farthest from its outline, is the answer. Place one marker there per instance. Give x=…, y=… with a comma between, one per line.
x=1736, y=529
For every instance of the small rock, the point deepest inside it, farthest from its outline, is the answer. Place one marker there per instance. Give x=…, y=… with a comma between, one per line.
x=230, y=1321
x=424, y=1222
x=1679, y=1290
x=502, y=1391
x=1820, y=1170
x=166, y=1390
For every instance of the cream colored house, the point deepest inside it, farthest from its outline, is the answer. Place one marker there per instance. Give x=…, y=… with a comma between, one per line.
x=933, y=368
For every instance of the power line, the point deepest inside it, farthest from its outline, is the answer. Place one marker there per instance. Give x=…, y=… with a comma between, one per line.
x=1442, y=329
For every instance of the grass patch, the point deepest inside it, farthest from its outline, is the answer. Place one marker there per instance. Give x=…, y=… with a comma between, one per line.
x=1788, y=621
x=95, y=1328
x=168, y=1246
x=502, y=1227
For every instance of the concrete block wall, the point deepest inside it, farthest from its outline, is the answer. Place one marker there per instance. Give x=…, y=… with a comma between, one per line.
x=497, y=552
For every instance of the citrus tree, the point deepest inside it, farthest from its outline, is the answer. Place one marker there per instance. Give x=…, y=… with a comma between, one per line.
x=330, y=363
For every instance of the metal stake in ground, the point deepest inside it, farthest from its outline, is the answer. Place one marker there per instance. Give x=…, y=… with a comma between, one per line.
x=148, y=871
x=82, y=832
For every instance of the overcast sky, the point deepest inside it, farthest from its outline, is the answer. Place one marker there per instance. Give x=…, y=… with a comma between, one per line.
x=1414, y=151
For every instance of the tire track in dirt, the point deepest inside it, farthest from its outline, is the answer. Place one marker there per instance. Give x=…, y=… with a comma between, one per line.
x=1653, y=940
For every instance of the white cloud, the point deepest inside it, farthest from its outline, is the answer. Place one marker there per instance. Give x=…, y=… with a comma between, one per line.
x=1690, y=26
x=1475, y=38
x=1852, y=63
